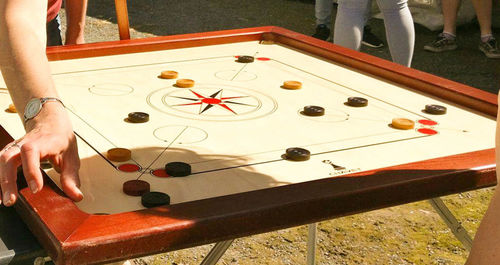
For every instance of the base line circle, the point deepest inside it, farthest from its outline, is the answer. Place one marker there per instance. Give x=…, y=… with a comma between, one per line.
x=111, y=89
x=185, y=134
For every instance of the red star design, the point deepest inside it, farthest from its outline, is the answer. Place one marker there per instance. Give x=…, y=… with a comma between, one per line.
x=215, y=99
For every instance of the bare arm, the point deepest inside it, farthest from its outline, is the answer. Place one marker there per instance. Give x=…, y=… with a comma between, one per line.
x=75, y=18
x=26, y=72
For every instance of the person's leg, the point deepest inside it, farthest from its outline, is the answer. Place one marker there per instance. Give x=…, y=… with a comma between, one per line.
x=488, y=44
x=483, y=12
x=399, y=29
x=446, y=41
x=54, y=32
x=370, y=39
x=349, y=23
x=486, y=244
x=323, y=14
x=450, y=10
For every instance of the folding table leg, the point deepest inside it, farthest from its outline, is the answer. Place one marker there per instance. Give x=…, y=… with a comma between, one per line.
x=216, y=252
x=456, y=228
x=311, y=244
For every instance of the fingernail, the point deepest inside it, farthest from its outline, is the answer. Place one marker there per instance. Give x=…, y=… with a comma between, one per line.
x=33, y=186
x=81, y=193
x=6, y=198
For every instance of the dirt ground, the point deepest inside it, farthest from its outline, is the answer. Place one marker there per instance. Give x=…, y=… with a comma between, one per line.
x=407, y=234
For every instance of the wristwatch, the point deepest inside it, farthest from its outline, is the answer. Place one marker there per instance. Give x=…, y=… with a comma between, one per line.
x=35, y=105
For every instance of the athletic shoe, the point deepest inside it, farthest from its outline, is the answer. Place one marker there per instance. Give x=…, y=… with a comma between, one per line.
x=322, y=32
x=370, y=40
x=490, y=48
x=441, y=44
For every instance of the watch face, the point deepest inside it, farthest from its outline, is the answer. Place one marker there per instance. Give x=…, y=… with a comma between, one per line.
x=32, y=108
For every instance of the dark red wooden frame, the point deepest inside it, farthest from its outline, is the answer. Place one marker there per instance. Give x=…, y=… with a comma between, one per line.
x=73, y=237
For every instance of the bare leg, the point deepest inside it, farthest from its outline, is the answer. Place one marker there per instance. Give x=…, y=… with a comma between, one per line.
x=483, y=13
x=486, y=244
x=450, y=10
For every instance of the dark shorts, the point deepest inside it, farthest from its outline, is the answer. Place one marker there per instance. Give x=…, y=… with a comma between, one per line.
x=54, y=32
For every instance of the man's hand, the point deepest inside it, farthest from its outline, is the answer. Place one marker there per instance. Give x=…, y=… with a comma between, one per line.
x=49, y=136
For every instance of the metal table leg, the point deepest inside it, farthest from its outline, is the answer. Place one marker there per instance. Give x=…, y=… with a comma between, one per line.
x=216, y=252
x=456, y=228
x=311, y=244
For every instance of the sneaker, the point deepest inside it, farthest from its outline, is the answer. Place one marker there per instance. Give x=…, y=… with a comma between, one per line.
x=441, y=44
x=322, y=32
x=490, y=48
x=370, y=40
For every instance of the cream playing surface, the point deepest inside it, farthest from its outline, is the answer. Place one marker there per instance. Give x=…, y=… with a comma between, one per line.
x=235, y=124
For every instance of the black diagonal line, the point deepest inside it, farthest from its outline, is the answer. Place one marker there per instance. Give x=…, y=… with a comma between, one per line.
x=235, y=75
x=215, y=94
x=238, y=103
x=193, y=99
x=90, y=126
x=206, y=108
x=165, y=149
x=105, y=158
x=243, y=67
x=98, y=132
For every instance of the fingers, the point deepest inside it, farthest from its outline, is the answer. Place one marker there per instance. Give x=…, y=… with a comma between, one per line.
x=48, y=136
x=70, y=185
x=69, y=165
x=9, y=161
x=29, y=153
x=70, y=180
x=30, y=157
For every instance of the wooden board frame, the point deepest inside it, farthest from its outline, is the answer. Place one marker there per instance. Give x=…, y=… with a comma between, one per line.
x=71, y=236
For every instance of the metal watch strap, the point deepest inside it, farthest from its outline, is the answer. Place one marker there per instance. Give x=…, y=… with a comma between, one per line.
x=42, y=102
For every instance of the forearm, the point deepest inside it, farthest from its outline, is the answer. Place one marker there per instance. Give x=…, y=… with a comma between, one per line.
x=26, y=72
x=23, y=61
x=75, y=16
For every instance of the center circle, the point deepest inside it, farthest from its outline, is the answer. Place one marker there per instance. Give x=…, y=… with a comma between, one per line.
x=213, y=102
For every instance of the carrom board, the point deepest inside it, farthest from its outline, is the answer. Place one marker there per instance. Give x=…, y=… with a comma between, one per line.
x=233, y=127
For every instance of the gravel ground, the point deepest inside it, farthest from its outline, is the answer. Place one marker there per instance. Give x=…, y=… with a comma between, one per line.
x=407, y=234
